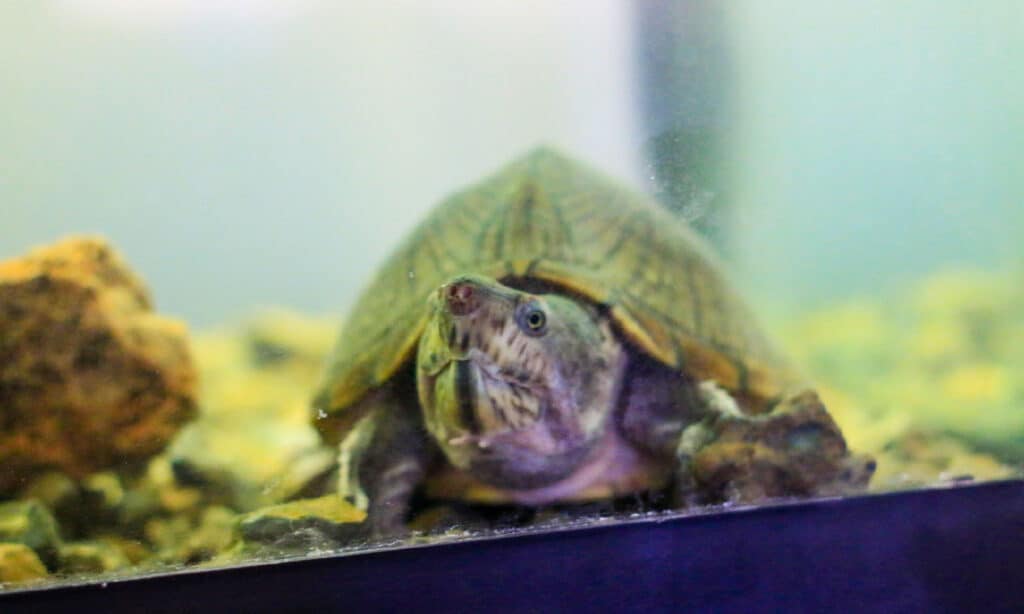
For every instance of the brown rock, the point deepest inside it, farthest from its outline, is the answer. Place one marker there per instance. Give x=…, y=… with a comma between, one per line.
x=90, y=377
x=212, y=536
x=31, y=524
x=92, y=557
x=18, y=563
x=321, y=523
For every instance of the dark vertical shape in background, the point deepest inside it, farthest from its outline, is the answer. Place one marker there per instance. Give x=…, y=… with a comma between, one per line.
x=685, y=81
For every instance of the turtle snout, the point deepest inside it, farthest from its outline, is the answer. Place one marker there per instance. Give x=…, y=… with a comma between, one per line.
x=461, y=297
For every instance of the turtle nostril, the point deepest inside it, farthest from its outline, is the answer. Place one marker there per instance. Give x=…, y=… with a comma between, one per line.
x=459, y=292
x=460, y=297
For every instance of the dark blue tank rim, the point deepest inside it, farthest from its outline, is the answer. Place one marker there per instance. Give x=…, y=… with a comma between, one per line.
x=955, y=549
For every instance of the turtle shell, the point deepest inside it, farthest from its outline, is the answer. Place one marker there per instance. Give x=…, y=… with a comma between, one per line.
x=551, y=219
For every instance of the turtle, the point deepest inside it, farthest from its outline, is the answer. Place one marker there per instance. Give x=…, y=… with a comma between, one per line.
x=546, y=335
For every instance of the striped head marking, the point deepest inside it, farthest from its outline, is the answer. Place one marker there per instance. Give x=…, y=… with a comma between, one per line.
x=514, y=386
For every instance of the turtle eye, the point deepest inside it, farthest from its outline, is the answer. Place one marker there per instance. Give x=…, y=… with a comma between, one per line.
x=533, y=320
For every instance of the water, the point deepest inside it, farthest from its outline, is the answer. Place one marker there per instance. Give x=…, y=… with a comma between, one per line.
x=855, y=164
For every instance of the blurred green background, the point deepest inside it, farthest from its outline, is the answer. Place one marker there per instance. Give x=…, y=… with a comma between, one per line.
x=250, y=152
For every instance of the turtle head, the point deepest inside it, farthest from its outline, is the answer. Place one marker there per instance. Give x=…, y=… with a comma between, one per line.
x=515, y=387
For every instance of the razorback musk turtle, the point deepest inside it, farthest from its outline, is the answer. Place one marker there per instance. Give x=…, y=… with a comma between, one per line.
x=545, y=335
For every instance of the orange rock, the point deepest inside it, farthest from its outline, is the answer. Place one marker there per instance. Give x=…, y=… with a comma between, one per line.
x=90, y=377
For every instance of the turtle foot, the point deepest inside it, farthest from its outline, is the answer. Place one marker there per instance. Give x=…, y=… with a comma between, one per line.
x=796, y=450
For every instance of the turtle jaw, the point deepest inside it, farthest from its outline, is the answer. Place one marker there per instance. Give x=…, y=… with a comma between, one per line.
x=466, y=405
x=497, y=433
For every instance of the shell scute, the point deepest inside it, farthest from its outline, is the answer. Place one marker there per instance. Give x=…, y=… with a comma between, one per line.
x=548, y=217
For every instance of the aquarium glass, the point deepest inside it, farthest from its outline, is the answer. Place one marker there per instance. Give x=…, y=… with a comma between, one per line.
x=824, y=278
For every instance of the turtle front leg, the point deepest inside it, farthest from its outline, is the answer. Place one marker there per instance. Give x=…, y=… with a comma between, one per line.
x=669, y=416
x=382, y=462
x=722, y=453
x=795, y=450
